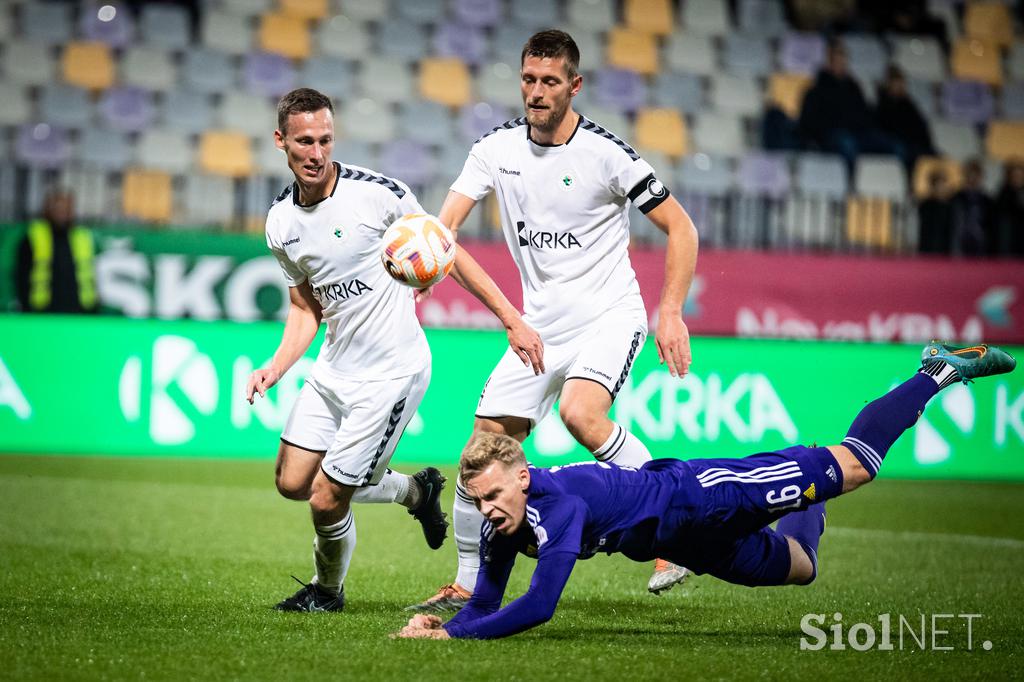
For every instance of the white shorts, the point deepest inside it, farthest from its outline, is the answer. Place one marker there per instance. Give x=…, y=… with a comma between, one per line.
x=356, y=424
x=603, y=353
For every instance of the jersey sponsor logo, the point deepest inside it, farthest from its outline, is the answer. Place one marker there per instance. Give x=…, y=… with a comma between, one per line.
x=290, y=242
x=340, y=291
x=506, y=171
x=542, y=239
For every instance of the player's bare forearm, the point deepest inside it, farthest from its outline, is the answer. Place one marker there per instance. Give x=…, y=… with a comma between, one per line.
x=672, y=337
x=300, y=327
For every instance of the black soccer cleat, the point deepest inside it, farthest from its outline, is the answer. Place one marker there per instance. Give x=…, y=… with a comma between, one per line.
x=313, y=597
x=428, y=512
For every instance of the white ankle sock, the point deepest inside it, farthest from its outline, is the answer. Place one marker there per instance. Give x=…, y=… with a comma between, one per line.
x=623, y=448
x=393, y=487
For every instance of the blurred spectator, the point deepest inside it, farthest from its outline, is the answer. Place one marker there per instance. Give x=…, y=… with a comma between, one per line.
x=778, y=131
x=910, y=17
x=835, y=116
x=935, y=216
x=1010, y=211
x=55, y=269
x=973, y=215
x=820, y=15
x=897, y=115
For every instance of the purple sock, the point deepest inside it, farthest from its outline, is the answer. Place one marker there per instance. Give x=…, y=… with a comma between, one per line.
x=806, y=528
x=882, y=421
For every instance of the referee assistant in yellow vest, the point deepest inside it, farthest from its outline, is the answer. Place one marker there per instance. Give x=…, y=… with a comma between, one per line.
x=56, y=261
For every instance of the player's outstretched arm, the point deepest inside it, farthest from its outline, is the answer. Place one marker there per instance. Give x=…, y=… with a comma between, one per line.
x=672, y=337
x=304, y=315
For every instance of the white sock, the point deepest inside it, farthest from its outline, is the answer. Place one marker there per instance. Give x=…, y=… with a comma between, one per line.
x=393, y=487
x=943, y=373
x=332, y=552
x=467, y=522
x=624, y=449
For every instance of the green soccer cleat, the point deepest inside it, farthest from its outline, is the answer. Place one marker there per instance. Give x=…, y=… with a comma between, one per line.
x=970, y=362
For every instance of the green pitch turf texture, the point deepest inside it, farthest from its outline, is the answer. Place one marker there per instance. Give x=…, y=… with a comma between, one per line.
x=166, y=569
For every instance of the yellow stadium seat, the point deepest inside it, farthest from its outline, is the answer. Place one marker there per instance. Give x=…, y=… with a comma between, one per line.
x=662, y=130
x=652, y=16
x=224, y=152
x=1005, y=140
x=869, y=223
x=786, y=91
x=286, y=35
x=632, y=49
x=445, y=81
x=926, y=165
x=304, y=9
x=88, y=65
x=990, y=22
x=146, y=195
x=977, y=60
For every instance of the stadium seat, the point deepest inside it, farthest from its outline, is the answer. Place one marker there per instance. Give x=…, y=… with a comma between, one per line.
x=409, y=161
x=593, y=49
x=422, y=11
x=919, y=57
x=6, y=24
x=226, y=32
x=612, y=121
x=867, y=56
x=499, y=82
x=786, y=91
x=48, y=23
x=632, y=49
x=703, y=183
x=356, y=153
x=1015, y=61
x=479, y=118
x=967, y=102
x=207, y=71
x=333, y=76
x=869, y=223
x=41, y=145
x=1005, y=140
x=1011, y=100
x=762, y=17
x=268, y=74
x=619, y=89
x=304, y=9
x=763, y=174
x=691, y=53
x=976, y=60
x=652, y=16
x=957, y=141
x=718, y=133
x=445, y=81
x=91, y=189
x=821, y=175
x=591, y=15
x=146, y=195
x=127, y=108
x=185, y=110
x=246, y=113
x=990, y=22
x=923, y=95
x=425, y=122
x=468, y=43
x=814, y=213
x=151, y=68
x=507, y=39
x=479, y=13
x=15, y=104
x=247, y=8
x=747, y=54
x=271, y=162
x=342, y=36
x=662, y=130
x=66, y=106
x=879, y=176
x=28, y=63
x=225, y=152
x=402, y=39
x=88, y=65
x=926, y=165
x=682, y=91
x=115, y=28
x=165, y=149
x=802, y=53
x=386, y=79
x=208, y=199
x=736, y=94
x=535, y=14
x=706, y=17
x=165, y=26
x=366, y=120
x=285, y=34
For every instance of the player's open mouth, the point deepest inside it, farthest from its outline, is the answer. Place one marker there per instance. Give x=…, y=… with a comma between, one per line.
x=537, y=107
x=313, y=170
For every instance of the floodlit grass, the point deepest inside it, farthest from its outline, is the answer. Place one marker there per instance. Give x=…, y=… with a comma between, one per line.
x=166, y=569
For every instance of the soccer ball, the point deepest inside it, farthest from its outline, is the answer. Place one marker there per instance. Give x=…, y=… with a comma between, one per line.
x=418, y=250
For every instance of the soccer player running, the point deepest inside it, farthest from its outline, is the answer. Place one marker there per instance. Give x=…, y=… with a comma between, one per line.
x=564, y=185
x=374, y=365
x=710, y=515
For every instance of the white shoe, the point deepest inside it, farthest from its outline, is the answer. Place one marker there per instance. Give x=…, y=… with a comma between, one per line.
x=666, y=576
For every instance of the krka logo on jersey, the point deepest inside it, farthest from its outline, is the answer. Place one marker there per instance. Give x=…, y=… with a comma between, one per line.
x=340, y=292
x=540, y=239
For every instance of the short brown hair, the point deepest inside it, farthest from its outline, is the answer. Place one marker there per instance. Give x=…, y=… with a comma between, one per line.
x=553, y=43
x=301, y=101
x=483, y=449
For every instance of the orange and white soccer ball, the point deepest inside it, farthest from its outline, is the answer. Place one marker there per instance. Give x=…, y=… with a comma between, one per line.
x=418, y=250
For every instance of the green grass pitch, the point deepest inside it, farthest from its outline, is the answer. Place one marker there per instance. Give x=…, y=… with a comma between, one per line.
x=166, y=569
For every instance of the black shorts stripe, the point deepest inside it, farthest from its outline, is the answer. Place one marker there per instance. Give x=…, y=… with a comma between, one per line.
x=389, y=432
x=633, y=348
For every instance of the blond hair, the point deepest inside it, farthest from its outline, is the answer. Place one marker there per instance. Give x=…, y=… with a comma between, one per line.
x=483, y=449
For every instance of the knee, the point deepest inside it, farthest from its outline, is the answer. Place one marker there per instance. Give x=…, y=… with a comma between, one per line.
x=803, y=568
x=292, y=489
x=325, y=499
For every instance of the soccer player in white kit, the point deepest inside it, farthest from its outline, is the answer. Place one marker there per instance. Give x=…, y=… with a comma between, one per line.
x=563, y=185
x=374, y=365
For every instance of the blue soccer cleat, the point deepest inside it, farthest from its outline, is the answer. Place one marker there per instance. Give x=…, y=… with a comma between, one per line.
x=970, y=362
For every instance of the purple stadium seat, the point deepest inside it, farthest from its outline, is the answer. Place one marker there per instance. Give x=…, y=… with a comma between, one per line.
x=409, y=161
x=107, y=22
x=967, y=101
x=129, y=109
x=468, y=43
x=763, y=174
x=480, y=118
x=802, y=53
x=268, y=74
x=620, y=90
x=482, y=13
x=41, y=145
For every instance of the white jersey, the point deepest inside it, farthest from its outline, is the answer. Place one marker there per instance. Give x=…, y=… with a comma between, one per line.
x=564, y=212
x=372, y=330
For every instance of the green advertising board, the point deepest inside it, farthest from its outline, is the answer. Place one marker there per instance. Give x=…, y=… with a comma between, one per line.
x=96, y=385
